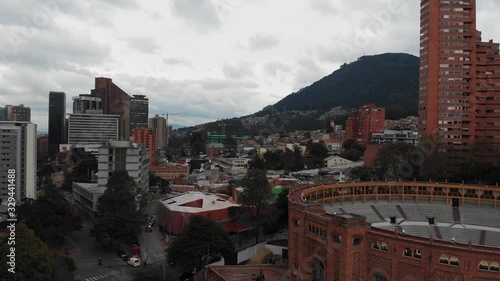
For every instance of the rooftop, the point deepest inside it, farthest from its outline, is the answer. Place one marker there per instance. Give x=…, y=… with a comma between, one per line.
x=244, y=272
x=196, y=202
x=91, y=187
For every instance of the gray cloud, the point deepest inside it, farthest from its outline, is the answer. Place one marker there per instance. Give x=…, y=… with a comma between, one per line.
x=144, y=44
x=176, y=61
x=259, y=42
x=201, y=14
x=274, y=67
x=239, y=70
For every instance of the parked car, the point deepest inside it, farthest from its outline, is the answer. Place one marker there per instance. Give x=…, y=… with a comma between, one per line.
x=135, y=262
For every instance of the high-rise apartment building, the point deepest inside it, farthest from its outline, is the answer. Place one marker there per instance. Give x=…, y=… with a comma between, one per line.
x=369, y=120
x=159, y=125
x=18, y=152
x=57, y=116
x=146, y=137
x=459, y=96
x=87, y=104
x=20, y=113
x=114, y=101
x=139, y=111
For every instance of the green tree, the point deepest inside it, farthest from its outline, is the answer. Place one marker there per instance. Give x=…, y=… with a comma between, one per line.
x=317, y=149
x=256, y=192
x=258, y=162
x=198, y=144
x=288, y=161
x=276, y=217
x=33, y=260
x=298, y=159
x=201, y=236
x=49, y=216
x=119, y=213
x=86, y=163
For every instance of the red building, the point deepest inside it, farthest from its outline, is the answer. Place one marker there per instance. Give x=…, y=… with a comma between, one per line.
x=174, y=212
x=459, y=97
x=114, y=101
x=394, y=231
x=42, y=149
x=369, y=120
x=169, y=172
x=147, y=138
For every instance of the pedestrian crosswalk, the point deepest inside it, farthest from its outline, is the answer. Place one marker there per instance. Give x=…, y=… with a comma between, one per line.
x=97, y=277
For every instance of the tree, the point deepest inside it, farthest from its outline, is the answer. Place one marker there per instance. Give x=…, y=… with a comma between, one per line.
x=298, y=159
x=276, y=218
x=256, y=192
x=156, y=273
x=119, y=214
x=201, y=236
x=33, y=260
x=86, y=163
x=258, y=162
x=198, y=144
x=49, y=216
x=317, y=149
x=288, y=160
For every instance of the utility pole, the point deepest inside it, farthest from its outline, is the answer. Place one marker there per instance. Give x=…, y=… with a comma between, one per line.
x=206, y=266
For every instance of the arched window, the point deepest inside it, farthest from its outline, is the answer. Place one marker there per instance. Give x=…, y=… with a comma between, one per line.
x=379, y=277
x=407, y=252
x=484, y=265
x=494, y=266
x=356, y=241
x=417, y=254
x=383, y=247
x=454, y=261
x=375, y=245
x=444, y=259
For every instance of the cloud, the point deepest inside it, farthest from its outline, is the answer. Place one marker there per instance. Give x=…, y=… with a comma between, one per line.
x=259, y=42
x=201, y=14
x=325, y=6
x=274, y=67
x=144, y=44
x=176, y=61
x=239, y=70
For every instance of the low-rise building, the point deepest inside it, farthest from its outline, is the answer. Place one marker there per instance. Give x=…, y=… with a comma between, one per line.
x=393, y=137
x=85, y=197
x=174, y=212
x=169, y=172
x=333, y=161
x=233, y=166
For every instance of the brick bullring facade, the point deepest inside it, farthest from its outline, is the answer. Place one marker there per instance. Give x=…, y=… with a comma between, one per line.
x=328, y=244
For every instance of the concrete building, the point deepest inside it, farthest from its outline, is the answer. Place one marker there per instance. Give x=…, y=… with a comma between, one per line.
x=233, y=166
x=93, y=130
x=139, y=111
x=3, y=113
x=57, y=116
x=114, y=101
x=18, y=152
x=85, y=198
x=333, y=161
x=369, y=120
x=169, y=172
x=459, y=95
x=123, y=156
x=159, y=125
x=147, y=138
x=42, y=147
x=392, y=137
x=87, y=104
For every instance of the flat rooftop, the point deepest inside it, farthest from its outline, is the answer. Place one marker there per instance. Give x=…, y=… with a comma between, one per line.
x=244, y=272
x=195, y=202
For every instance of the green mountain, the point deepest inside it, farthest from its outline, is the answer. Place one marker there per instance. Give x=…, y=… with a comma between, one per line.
x=388, y=80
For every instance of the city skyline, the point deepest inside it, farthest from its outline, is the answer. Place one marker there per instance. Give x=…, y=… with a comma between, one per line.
x=223, y=62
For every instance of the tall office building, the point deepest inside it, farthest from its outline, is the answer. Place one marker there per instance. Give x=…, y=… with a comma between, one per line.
x=114, y=101
x=92, y=130
x=15, y=113
x=57, y=115
x=139, y=111
x=159, y=125
x=18, y=151
x=3, y=114
x=459, y=97
x=87, y=104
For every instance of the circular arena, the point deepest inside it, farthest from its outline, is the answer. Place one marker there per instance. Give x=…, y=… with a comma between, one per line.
x=395, y=231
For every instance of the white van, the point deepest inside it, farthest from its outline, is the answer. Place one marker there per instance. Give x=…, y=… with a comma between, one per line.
x=135, y=262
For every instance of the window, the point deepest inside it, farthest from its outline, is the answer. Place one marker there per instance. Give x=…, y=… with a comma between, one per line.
x=407, y=252
x=454, y=261
x=494, y=266
x=357, y=240
x=483, y=265
x=337, y=238
x=444, y=259
x=379, y=277
x=417, y=254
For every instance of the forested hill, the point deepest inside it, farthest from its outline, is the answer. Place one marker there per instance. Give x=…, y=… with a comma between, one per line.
x=388, y=80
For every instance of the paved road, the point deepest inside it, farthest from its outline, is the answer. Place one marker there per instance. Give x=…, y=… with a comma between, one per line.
x=152, y=246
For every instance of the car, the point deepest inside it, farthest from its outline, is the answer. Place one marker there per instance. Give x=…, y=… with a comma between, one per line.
x=121, y=253
x=135, y=262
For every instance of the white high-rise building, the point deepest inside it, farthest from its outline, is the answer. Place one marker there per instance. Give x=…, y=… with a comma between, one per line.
x=18, y=153
x=91, y=131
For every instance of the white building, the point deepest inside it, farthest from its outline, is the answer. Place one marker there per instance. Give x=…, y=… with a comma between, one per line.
x=233, y=166
x=393, y=136
x=92, y=130
x=333, y=161
x=123, y=156
x=18, y=152
x=85, y=197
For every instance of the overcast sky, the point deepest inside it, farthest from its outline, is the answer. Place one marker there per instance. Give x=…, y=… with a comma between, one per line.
x=206, y=59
